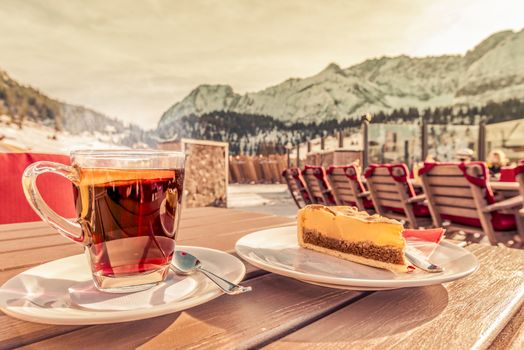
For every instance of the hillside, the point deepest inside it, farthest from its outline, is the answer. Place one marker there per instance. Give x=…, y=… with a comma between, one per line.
x=25, y=104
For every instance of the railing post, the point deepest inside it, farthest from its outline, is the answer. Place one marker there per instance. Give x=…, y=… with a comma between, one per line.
x=308, y=146
x=424, y=139
x=289, y=148
x=406, y=153
x=322, y=142
x=340, y=139
x=365, y=119
x=298, y=154
x=482, y=140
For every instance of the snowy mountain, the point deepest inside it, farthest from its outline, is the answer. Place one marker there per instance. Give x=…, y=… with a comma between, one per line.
x=492, y=71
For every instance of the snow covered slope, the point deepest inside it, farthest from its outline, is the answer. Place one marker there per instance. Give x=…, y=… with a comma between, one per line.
x=493, y=70
x=40, y=138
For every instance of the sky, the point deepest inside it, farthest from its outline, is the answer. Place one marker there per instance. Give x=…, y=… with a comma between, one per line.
x=133, y=59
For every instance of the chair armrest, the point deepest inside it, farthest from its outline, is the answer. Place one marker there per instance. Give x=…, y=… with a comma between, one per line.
x=364, y=194
x=417, y=199
x=514, y=202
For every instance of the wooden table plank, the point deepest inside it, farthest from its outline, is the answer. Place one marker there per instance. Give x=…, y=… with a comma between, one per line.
x=276, y=305
x=512, y=336
x=37, y=256
x=214, y=217
x=17, y=245
x=189, y=219
x=37, y=229
x=219, y=236
x=14, y=332
x=203, y=231
x=468, y=313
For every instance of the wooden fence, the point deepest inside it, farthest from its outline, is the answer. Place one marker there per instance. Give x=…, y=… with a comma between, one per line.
x=339, y=156
x=257, y=169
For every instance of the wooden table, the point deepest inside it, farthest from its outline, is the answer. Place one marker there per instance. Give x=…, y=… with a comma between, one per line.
x=475, y=312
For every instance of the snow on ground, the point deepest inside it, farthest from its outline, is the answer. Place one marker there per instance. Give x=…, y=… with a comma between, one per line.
x=38, y=138
x=267, y=199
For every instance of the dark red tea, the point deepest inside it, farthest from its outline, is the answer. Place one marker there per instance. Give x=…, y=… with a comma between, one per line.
x=130, y=218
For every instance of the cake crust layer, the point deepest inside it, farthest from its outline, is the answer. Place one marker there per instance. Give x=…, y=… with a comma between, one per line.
x=365, y=249
x=357, y=259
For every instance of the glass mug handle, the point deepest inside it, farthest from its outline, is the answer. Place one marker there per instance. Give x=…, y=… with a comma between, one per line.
x=67, y=228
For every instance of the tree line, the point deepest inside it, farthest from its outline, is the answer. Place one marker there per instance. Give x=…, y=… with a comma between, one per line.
x=263, y=134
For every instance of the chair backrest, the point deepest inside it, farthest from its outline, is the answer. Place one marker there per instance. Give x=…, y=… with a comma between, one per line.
x=390, y=189
x=519, y=176
x=318, y=185
x=346, y=185
x=56, y=191
x=297, y=186
x=457, y=192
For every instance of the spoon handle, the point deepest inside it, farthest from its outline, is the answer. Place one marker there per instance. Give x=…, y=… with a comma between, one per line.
x=421, y=261
x=226, y=286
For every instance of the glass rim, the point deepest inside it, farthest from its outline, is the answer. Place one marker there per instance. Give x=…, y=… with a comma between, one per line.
x=126, y=153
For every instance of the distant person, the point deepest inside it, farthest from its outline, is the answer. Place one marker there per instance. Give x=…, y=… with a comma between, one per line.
x=496, y=160
x=430, y=158
x=464, y=155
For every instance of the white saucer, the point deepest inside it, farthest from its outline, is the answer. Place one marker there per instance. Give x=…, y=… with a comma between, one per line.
x=277, y=250
x=42, y=294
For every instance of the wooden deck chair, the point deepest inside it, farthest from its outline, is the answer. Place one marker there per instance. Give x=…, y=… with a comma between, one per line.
x=348, y=188
x=318, y=185
x=519, y=176
x=297, y=186
x=393, y=195
x=460, y=198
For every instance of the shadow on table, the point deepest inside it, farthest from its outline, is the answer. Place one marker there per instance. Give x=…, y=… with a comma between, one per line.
x=381, y=318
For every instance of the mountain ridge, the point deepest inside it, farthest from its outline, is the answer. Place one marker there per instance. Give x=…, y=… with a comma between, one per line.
x=376, y=84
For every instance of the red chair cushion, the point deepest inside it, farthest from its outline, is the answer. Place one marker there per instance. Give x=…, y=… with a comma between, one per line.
x=56, y=190
x=507, y=174
x=500, y=222
x=368, y=204
x=421, y=210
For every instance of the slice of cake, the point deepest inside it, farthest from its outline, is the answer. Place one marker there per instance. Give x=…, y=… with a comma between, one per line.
x=350, y=234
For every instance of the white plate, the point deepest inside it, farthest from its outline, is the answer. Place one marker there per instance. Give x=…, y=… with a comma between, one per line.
x=347, y=287
x=277, y=250
x=41, y=294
